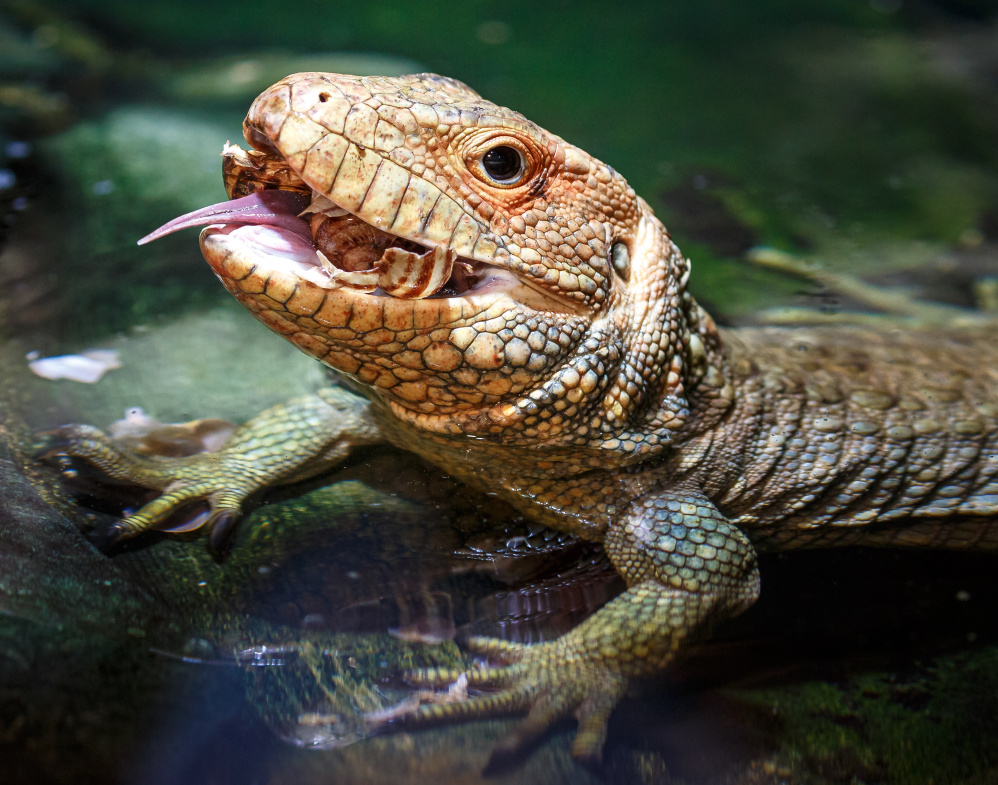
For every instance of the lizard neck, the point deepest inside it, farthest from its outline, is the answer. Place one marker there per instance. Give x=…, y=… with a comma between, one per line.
x=649, y=373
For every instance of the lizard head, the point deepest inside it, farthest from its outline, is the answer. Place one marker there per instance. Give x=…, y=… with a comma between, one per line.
x=475, y=273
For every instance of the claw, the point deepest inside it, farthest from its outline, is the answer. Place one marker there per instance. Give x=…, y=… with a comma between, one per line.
x=104, y=539
x=544, y=714
x=48, y=447
x=590, y=738
x=221, y=525
x=191, y=524
x=111, y=537
x=115, y=533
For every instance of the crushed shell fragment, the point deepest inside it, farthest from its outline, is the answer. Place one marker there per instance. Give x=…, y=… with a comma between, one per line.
x=400, y=273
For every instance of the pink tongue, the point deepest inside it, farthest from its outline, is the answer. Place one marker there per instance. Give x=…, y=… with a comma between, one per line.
x=275, y=208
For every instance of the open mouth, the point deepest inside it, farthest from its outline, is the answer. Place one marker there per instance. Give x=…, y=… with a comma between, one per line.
x=295, y=227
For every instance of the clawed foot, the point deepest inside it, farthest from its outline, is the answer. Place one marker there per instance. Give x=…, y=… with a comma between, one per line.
x=544, y=680
x=287, y=443
x=213, y=482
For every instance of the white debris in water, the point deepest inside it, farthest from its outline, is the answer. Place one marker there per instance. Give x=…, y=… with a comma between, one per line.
x=143, y=434
x=87, y=367
x=135, y=423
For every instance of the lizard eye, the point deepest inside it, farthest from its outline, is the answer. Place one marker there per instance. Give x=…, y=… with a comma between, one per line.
x=504, y=164
x=502, y=161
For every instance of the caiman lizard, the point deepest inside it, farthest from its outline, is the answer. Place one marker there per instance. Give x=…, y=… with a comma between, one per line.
x=513, y=312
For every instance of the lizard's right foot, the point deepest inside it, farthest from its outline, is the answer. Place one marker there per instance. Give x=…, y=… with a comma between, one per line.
x=219, y=482
x=286, y=443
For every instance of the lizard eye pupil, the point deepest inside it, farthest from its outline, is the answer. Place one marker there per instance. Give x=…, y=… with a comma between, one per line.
x=503, y=163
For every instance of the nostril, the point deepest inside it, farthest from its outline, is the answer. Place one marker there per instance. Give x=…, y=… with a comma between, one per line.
x=323, y=97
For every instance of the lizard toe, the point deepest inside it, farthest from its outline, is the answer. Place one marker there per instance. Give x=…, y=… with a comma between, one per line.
x=110, y=536
x=496, y=704
x=161, y=514
x=539, y=682
x=486, y=675
x=588, y=694
x=497, y=648
x=545, y=711
x=65, y=446
x=592, y=715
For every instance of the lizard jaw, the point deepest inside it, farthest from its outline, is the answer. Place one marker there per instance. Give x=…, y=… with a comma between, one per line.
x=295, y=230
x=333, y=249
x=235, y=250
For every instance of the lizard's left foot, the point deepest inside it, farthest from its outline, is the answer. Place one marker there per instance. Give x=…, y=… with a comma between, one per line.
x=544, y=680
x=286, y=443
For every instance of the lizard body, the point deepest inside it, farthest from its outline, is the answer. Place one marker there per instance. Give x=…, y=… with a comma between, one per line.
x=564, y=366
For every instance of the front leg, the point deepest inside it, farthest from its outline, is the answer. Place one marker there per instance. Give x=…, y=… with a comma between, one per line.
x=286, y=443
x=685, y=566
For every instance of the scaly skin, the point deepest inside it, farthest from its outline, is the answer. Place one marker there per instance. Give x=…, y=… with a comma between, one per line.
x=596, y=396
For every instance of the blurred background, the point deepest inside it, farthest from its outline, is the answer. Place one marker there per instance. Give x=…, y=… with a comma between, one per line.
x=860, y=132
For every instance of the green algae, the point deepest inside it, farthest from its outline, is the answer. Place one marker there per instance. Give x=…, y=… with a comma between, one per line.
x=933, y=722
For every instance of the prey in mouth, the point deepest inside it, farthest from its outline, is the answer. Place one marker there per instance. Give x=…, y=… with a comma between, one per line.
x=280, y=218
